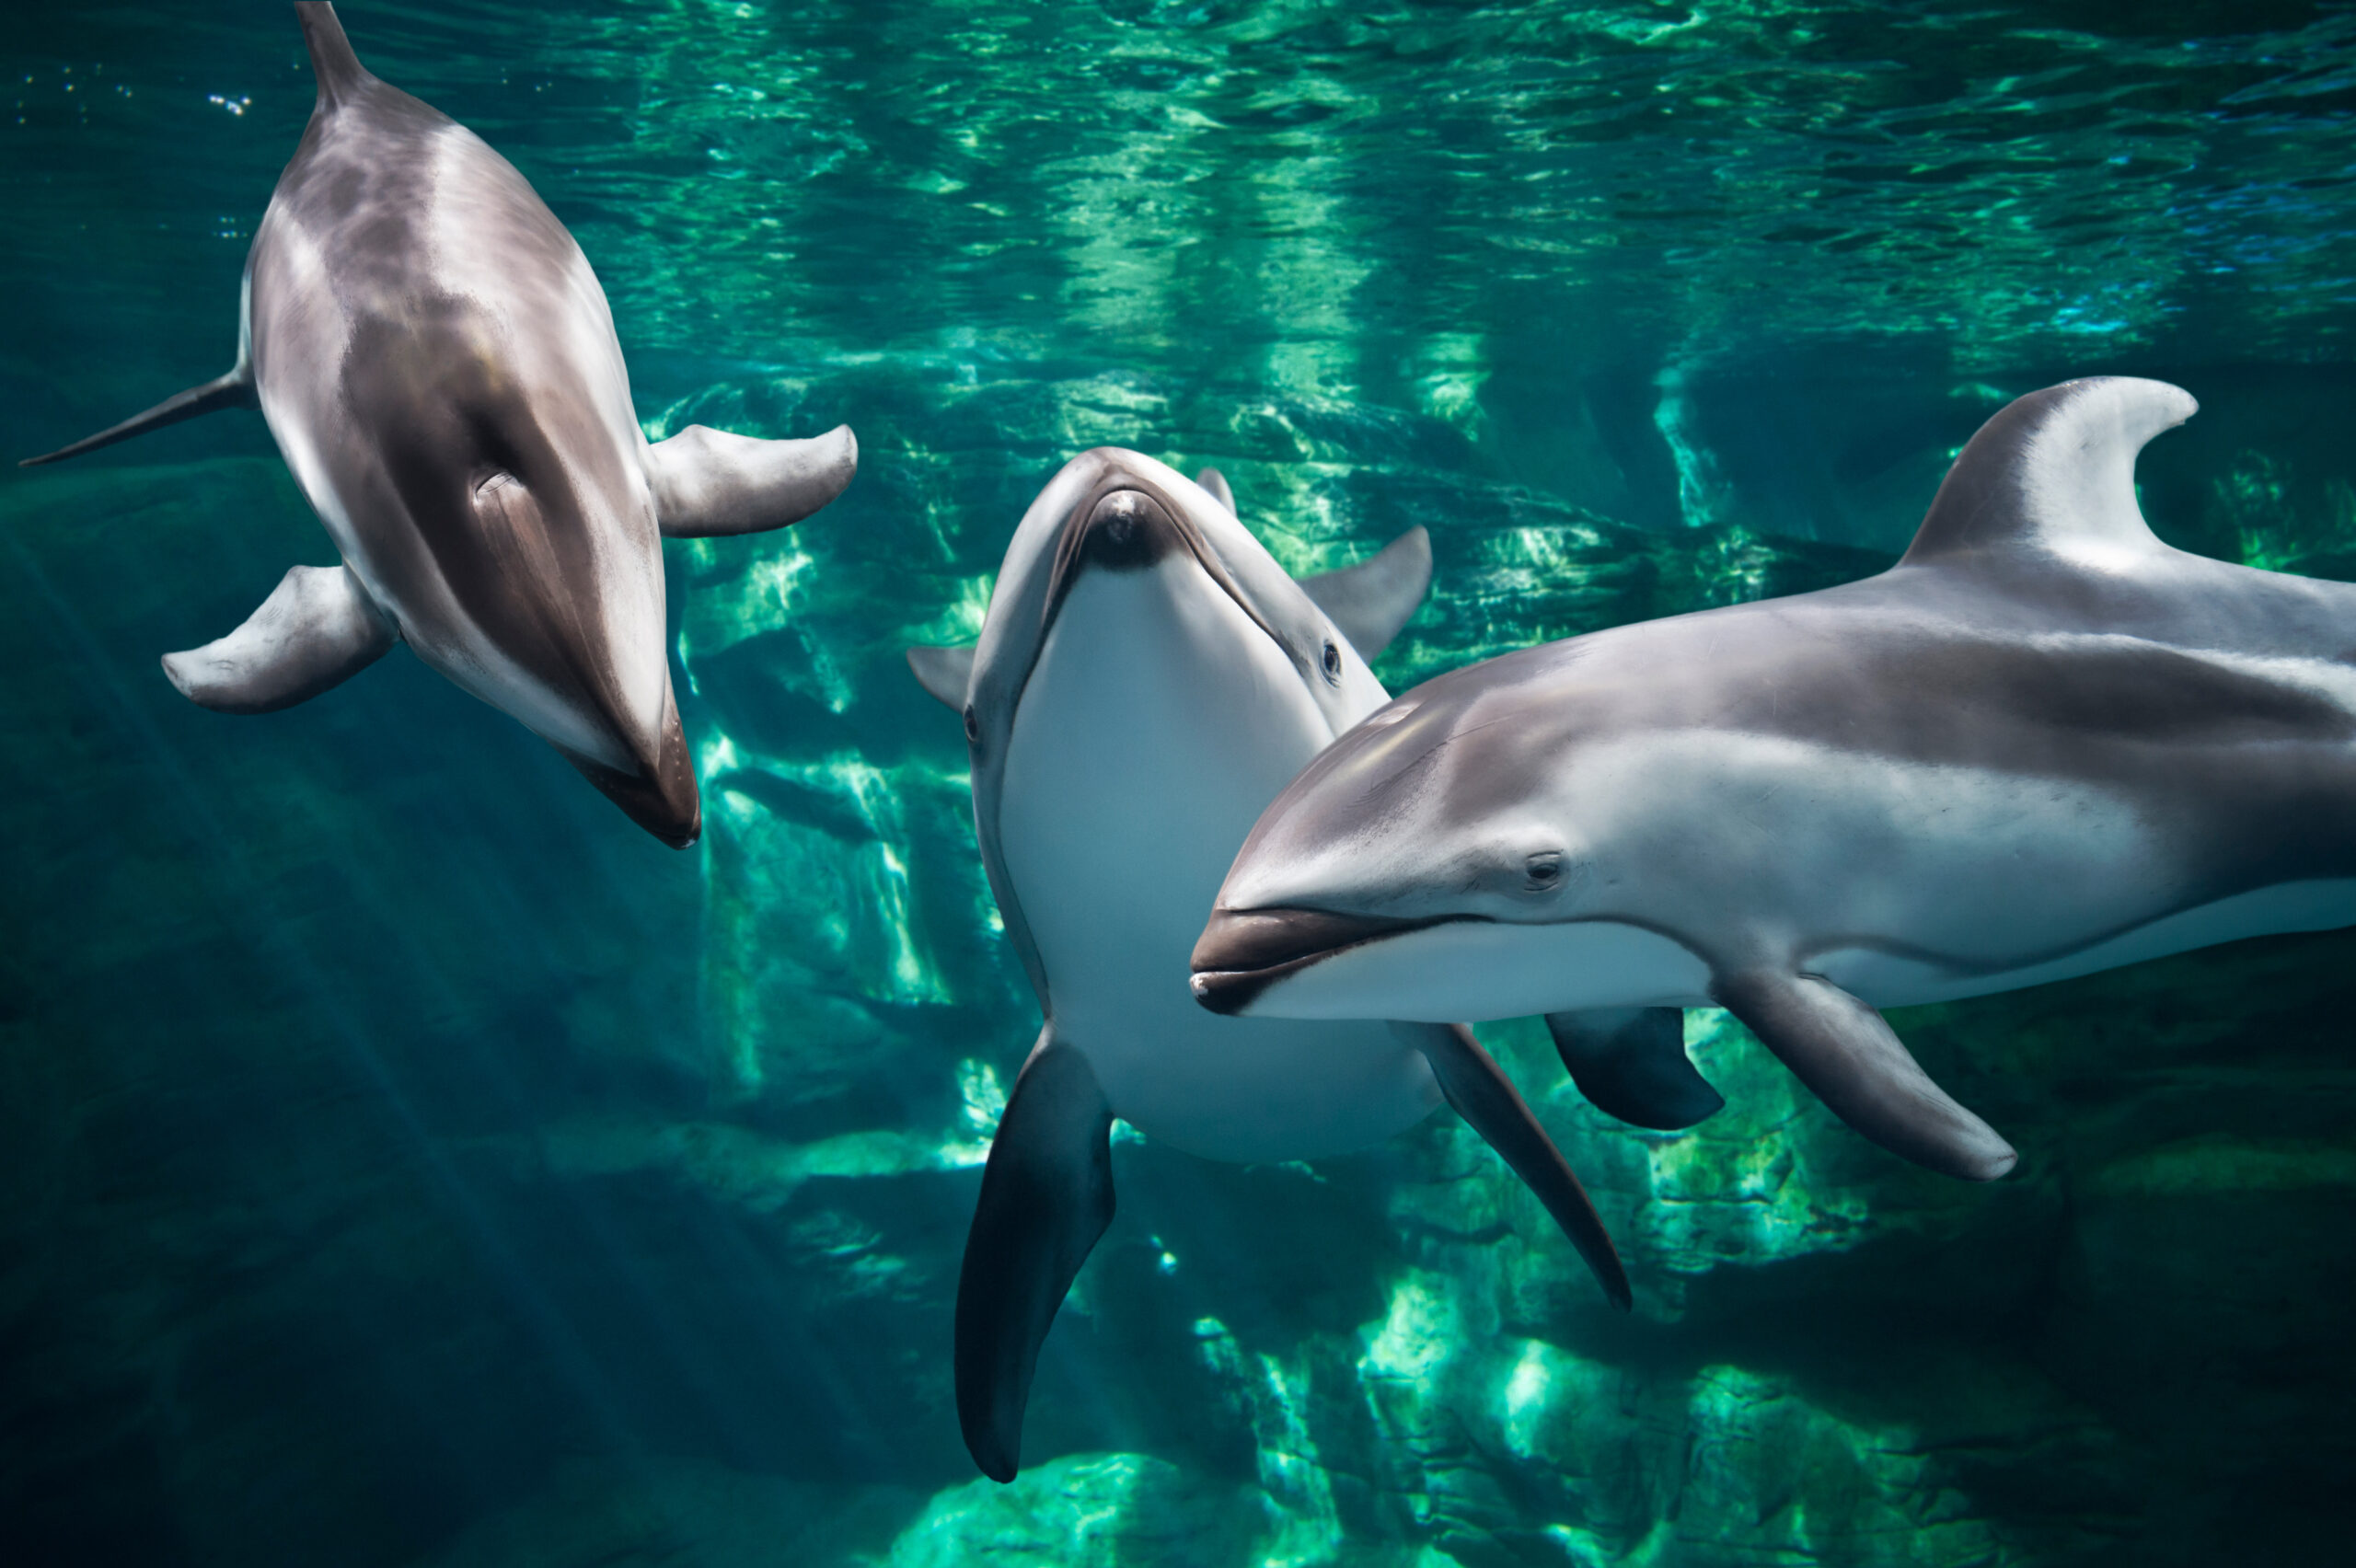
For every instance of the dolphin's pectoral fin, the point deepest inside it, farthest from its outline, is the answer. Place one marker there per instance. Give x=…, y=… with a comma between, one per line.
x=1490, y=1105
x=708, y=483
x=234, y=390
x=1214, y=481
x=1047, y=1196
x=946, y=673
x=1844, y=1052
x=1373, y=599
x=317, y=628
x=1631, y=1063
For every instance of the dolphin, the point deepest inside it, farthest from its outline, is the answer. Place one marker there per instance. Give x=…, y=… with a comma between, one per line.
x=2043, y=743
x=1147, y=678
x=438, y=366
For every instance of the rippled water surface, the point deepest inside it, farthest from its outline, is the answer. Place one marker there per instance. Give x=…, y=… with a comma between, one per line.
x=405, y=1161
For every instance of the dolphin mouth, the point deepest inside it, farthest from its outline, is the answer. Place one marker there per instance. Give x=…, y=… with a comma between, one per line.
x=1241, y=952
x=661, y=796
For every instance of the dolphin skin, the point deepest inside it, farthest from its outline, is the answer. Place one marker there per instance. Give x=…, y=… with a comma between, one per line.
x=438, y=365
x=2043, y=744
x=1147, y=678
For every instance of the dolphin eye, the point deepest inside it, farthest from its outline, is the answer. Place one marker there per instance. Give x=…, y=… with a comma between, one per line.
x=973, y=726
x=1544, y=870
x=1332, y=663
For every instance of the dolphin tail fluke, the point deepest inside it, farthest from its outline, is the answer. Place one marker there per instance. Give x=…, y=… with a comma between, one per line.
x=234, y=390
x=1047, y=1196
x=317, y=630
x=946, y=673
x=333, y=63
x=1373, y=599
x=708, y=483
x=1846, y=1054
x=1631, y=1063
x=1482, y=1094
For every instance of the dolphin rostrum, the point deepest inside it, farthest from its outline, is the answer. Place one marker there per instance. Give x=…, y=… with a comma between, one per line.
x=438, y=365
x=1147, y=678
x=2043, y=743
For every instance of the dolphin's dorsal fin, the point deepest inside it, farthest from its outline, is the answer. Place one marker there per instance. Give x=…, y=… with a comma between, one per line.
x=1214, y=481
x=947, y=673
x=1373, y=599
x=2053, y=473
x=332, y=61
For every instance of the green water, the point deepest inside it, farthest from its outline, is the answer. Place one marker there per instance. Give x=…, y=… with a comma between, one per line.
x=405, y=1161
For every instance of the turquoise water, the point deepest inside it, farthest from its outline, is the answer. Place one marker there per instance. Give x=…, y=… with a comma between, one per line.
x=406, y=1161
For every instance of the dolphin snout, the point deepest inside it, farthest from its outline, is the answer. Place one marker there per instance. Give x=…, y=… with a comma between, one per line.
x=1241, y=952
x=1128, y=530
x=661, y=797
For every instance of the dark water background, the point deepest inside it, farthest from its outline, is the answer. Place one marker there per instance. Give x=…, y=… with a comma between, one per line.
x=403, y=1160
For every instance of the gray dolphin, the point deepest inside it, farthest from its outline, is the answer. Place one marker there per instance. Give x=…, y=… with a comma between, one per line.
x=439, y=367
x=2043, y=744
x=1147, y=678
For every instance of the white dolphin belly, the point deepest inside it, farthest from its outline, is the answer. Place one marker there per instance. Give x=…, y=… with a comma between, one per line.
x=1890, y=980
x=1157, y=723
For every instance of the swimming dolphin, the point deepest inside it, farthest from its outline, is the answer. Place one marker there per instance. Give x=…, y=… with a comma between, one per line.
x=1147, y=678
x=439, y=368
x=2043, y=743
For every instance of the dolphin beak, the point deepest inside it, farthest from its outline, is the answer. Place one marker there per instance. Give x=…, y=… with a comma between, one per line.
x=661, y=797
x=1241, y=952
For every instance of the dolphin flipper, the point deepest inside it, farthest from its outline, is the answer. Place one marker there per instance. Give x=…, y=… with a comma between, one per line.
x=946, y=673
x=708, y=483
x=232, y=390
x=1215, y=482
x=1047, y=1196
x=1631, y=1063
x=1845, y=1052
x=1373, y=599
x=317, y=630
x=1480, y=1093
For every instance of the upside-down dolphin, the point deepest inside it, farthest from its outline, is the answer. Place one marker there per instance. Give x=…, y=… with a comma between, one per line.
x=439, y=367
x=2043, y=743
x=1147, y=678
